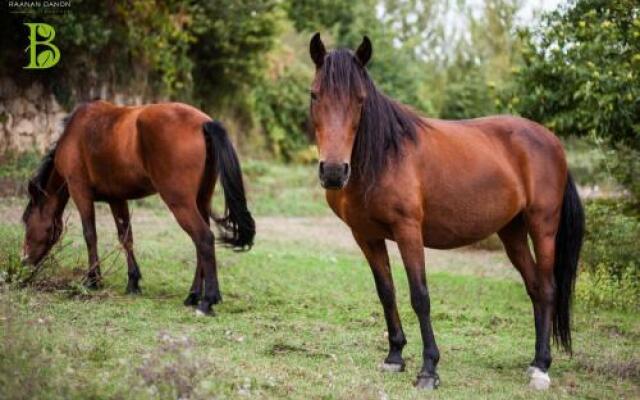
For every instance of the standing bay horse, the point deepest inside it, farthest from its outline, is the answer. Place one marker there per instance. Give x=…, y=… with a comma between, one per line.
x=392, y=174
x=113, y=154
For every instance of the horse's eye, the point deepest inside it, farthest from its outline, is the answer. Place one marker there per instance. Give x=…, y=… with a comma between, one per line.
x=314, y=96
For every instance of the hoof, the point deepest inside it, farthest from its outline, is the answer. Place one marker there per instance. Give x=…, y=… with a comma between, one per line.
x=390, y=367
x=199, y=313
x=538, y=379
x=427, y=381
x=192, y=300
x=204, y=309
x=134, y=290
x=92, y=284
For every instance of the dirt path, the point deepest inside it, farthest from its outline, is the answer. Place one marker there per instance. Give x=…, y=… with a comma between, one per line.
x=324, y=232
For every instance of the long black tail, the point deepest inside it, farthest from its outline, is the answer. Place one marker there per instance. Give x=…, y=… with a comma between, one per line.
x=568, y=245
x=236, y=225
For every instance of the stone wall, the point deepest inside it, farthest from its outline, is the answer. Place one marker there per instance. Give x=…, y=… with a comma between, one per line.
x=30, y=118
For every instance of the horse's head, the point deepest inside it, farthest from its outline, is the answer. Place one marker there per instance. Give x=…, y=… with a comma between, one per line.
x=338, y=93
x=42, y=217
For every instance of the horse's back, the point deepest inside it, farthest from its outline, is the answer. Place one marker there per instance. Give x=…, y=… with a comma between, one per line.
x=525, y=147
x=116, y=149
x=534, y=150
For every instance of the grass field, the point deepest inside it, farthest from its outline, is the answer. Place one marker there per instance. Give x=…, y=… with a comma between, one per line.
x=300, y=317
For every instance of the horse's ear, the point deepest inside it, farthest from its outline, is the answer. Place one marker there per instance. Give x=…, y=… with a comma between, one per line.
x=363, y=54
x=317, y=50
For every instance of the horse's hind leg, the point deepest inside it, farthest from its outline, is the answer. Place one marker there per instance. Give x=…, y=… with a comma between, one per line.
x=376, y=253
x=190, y=219
x=120, y=212
x=204, y=206
x=538, y=279
x=543, y=227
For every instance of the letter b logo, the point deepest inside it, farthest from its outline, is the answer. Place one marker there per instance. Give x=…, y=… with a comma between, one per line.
x=46, y=58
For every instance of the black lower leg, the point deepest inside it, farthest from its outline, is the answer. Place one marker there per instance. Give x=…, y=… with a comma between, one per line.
x=93, y=274
x=542, y=315
x=133, y=285
x=195, y=294
x=208, y=264
x=397, y=340
x=376, y=253
x=428, y=377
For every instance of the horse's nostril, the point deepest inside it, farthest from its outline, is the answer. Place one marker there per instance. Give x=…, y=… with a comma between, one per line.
x=346, y=168
x=321, y=168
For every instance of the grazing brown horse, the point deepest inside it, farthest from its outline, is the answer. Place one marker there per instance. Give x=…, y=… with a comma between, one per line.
x=113, y=154
x=392, y=174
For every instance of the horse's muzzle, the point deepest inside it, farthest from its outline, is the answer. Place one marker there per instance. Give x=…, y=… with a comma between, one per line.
x=333, y=176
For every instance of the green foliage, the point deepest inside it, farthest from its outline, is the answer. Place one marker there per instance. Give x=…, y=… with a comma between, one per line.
x=611, y=253
x=11, y=270
x=588, y=162
x=581, y=73
x=311, y=15
x=232, y=40
x=19, y=166
x=467, y=95
x=625, y=164
x=598, y=288
x=139, y=48
x=151, y=48
x=481, y=67
x=281, y=106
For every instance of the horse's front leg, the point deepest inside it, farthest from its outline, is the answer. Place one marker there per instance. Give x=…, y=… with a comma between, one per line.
x=195, y=293
x=84, y=203
x=122, y=218
x=408, y=235
x=376, y=253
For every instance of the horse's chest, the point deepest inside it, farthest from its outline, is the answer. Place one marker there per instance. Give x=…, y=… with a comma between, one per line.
x=361, y=218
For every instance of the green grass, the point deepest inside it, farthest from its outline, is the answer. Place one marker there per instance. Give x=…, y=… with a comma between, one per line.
x=299, y=320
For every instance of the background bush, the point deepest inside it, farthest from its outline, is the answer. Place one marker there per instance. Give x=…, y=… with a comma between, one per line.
x=611, y=255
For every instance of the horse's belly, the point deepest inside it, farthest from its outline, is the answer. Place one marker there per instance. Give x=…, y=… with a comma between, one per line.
x=121, y=182
x=460, y=223
x=443, y=237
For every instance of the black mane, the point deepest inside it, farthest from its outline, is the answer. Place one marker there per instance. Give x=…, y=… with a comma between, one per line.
x=384, y=123
x=36, y=186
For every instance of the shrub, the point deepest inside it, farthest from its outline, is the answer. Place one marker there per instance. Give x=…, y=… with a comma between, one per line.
x=281, y=107
x=611, y=266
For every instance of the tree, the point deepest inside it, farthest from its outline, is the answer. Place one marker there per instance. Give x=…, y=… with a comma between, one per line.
x=481, y=66
x=581, y=76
